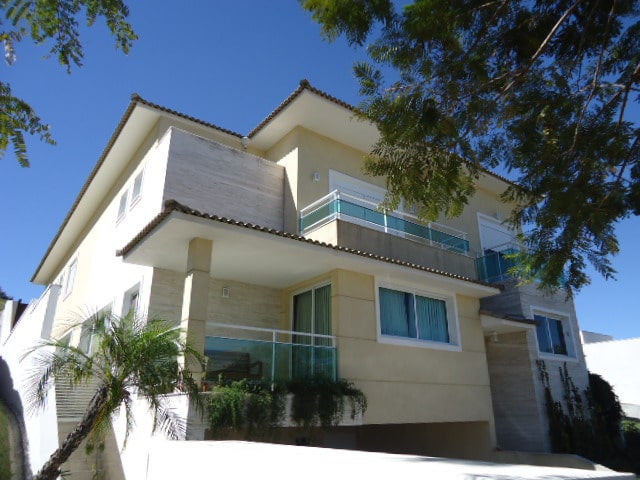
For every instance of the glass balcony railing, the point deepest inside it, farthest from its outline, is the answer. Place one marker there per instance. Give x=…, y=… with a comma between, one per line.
x=338, y=205
x=267, y=354
x=495, y=264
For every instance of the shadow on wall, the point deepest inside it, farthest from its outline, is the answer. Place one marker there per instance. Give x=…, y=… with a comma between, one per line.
x=10, y=398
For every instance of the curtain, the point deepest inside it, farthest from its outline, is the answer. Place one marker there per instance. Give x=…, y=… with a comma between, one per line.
x=302, y=322
x=432, y=319
x=323, y=353
x=397, y=313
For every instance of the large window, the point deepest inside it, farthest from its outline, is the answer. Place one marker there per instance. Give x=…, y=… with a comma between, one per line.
x=413, y=316
x=551, y=335
x=312, y=356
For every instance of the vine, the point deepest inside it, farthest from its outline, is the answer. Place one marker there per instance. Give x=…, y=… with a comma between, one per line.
x=589, y=422
x=259, y=407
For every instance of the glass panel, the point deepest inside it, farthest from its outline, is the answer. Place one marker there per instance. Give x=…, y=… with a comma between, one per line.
x=122, y=207
x=302, y=322
x=432, y=319
x=542, y=332
x=322, y=357
x=137, y=187
x=557, y=336
x=235, y=359
x=371, y=215
x=397, y=314
x=318, y=215
x=322, y=313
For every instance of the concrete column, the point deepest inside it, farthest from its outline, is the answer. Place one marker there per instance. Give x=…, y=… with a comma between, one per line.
x=194, y=315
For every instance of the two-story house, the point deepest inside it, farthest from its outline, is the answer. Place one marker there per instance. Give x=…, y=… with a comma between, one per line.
x=270, y=250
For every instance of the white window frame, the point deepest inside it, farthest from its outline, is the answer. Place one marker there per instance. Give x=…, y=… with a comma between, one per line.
x=308, y=289
x=135, y=197
x=453, y=319
x=126, y=299
x=122, y=212
x=90, y=340
x=567, y=330
x=71, y=272
x=498, y=225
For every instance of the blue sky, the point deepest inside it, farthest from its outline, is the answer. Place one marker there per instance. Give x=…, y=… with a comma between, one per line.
x=229, y=63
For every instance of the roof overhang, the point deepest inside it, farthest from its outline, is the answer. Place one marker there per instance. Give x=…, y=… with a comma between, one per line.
x=312, y=109
x=495, y=325
x=259, y=256
x=136, y=123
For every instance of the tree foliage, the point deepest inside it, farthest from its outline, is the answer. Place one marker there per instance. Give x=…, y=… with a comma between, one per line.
x=54, y=22
x=128, y=356
x=542, y=89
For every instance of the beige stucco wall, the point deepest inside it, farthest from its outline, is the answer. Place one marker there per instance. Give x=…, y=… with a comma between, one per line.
x=406, y=384
x=303, y=153
x=285, y=153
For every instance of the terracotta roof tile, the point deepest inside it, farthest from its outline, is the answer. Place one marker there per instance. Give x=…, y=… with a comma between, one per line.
x=138, y=98
x=304, y=85
x=173, y=206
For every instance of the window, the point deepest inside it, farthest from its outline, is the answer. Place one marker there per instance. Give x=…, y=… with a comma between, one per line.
x=551, y=335
x=130, y=301
x=71, y=277
x=87, y=333
x=137, y=188
x=413, y=316
x=122, y=206
x=312, y=356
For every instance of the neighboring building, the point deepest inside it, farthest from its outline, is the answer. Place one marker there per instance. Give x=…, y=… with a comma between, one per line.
x=593, y=337
x=270, y=250
x=617, y=362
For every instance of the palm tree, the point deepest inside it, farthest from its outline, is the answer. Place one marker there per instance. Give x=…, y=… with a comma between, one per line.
x=126, y=355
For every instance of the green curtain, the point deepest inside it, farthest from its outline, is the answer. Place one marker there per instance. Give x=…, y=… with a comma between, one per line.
x=432, y=319
x=302, y=322
x=397, y=313
x=323, y=353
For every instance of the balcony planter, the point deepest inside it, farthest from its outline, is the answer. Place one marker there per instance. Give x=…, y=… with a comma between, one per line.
x=253, y=409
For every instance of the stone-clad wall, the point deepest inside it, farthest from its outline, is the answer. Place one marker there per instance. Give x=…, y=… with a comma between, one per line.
x=515, y=404
x=514, y=370
x=216, y=179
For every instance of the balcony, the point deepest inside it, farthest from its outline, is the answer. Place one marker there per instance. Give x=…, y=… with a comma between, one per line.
x=341, y=206
x=494, y=265
x=238, y=352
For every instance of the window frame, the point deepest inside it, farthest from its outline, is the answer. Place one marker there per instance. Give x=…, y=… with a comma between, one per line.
x=127, y=296
x=122, y=212
x=70, y=277
x=135, y=197
x=313, y=341
x=310, y=288
x=453, y=320
x=567, y=332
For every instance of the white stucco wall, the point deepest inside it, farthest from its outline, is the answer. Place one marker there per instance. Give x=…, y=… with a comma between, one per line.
x=40, y=424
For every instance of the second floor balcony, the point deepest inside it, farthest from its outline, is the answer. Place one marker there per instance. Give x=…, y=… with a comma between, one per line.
x=344, y=220
x=341, y=206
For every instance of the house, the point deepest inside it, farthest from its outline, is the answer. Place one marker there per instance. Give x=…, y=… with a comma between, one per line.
x=270, y=251
x=616, y=361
